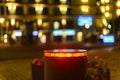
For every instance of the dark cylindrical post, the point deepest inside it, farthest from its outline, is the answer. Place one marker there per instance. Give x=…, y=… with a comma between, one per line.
x=66, y=64
x=37, y=70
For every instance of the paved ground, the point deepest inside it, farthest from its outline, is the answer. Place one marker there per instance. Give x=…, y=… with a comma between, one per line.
x=112, y=56
x=19, y=66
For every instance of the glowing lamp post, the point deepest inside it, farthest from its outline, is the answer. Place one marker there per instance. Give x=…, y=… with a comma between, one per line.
x=1, y=32
x=65, y=64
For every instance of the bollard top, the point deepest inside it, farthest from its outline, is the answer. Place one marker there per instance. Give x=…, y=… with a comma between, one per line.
x=65, y=53
x=36, y=61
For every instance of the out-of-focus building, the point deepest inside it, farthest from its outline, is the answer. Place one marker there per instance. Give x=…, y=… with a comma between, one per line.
x=47, y=21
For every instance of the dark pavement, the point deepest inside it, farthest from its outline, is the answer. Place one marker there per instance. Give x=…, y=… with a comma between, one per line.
x=31, y=51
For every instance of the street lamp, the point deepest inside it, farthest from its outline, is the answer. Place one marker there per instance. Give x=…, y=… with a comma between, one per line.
x=1, y=21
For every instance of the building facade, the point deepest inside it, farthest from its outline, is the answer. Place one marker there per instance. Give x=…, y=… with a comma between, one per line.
x=47, y=21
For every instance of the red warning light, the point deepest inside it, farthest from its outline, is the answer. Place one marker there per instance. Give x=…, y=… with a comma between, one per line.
x=65, y=53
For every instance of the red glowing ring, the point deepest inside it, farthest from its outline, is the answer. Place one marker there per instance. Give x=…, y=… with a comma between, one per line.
x=65, y=53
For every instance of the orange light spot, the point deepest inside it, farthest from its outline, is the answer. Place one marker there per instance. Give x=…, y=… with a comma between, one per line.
x=66, y=54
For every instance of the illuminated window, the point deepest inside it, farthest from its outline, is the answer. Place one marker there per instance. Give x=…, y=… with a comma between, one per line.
x=12, y=8
x=39, y=9
x=107, y=8
x=85, y=9
x=105, y=22
x=63, y=1
x=17, y=33
x=2, y=20
x=63, y=10
x=109, y=26
x=87, y=26
x=118, y=12
x=7, y=23
x=56, y=25
x=43, y=38
x=64, y=34
x=107, y=15
x=17, y=24
x=84, y=1
x=39, y=22
x=12, y=22
x=40, y=33
x=118, y=3
x=105, y=1
x=102, y=8
x=63, y=21
x=45, y=25
x=79, y=36
x=106, y=31
x=37, y=1
x=83, y=20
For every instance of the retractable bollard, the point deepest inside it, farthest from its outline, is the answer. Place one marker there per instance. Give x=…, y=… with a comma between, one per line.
x=66, y=64
x=37, y=70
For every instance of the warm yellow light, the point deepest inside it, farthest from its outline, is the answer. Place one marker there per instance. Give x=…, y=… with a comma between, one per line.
x=39, y=9
x=11, y=0
x=85, y=9
x=106, y=31
x=79, y=36
x=107, y=8
x=105, y=22
x=102, y=8
x=5, y=41
x=118, y=3
x=64, y=21
x=12, y=22
x=107, y=15
x=102, y=1
x=12, y=8
x=17, y=24
x=63, y=1
x=40, y=34
x=66, y=54
x=2, y=20
x=105, y=1
x=7, y=24
x=56, y=25
x=46, y=24
x=118, y=12
x=5, y=38
x=37, y=1
x=85, y=1
x=64, y=34
x=63, y=9
x=43, y=38
x=39, y=22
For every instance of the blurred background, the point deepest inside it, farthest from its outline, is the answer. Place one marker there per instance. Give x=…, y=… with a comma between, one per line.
x=25, y=22
x=87, y=24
